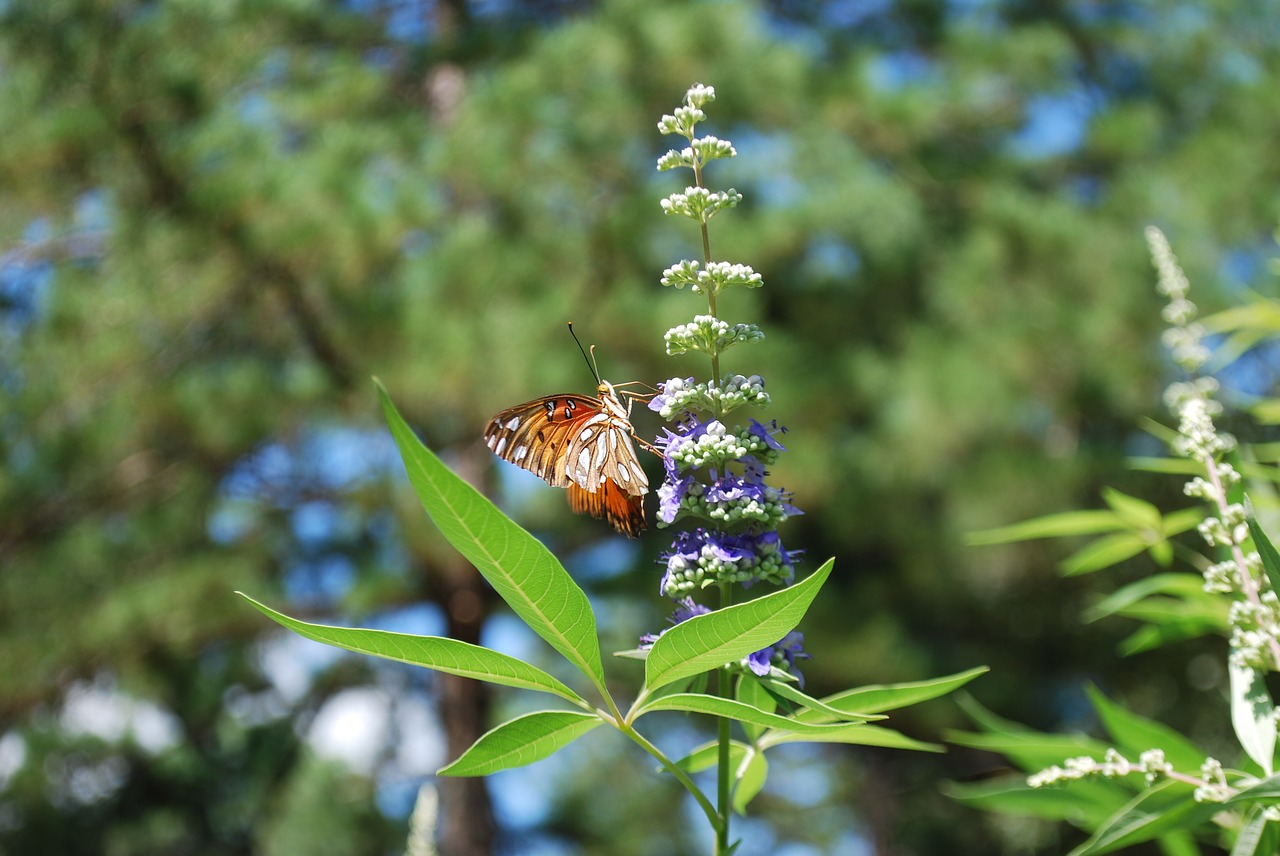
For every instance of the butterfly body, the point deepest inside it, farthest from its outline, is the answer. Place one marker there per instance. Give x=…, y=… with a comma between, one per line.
x=582, y=444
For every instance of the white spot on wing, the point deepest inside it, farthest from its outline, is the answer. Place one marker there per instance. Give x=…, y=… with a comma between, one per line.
x=584, y=462
x=519, y=453
x=513, y=423
x=502, y=444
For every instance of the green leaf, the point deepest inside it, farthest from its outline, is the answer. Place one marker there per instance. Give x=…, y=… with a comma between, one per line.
x=853, y=734
x=731, y=709
x=877, y=698
x=1162, y=432
x=1138, y=513
x=1171, y=629
x=1253, y=715
x=1267, y=550
x=1182, y=520
x=707, y=755
x=1087, y=802
x=1186, y=586
x=813, y=705
x=1032, y=751
x=432, y=652
x=751, y=691
x=1167, y=466
x=751, y=776
x=1166, y=807
x=522, y=741
x=1266, y=792
x=517, y=565
x=1135, y=734
x=1257, y=837
x=1049, y=526
x=707, y=642
x=1104, y=552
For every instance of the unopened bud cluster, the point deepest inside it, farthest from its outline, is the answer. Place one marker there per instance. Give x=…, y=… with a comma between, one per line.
x=679, y=395
x=709, y=335
x=713, y=279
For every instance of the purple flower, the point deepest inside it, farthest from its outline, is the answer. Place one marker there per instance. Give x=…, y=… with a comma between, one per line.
x=685, y=609
x=783, y=654
x=665, y=398
x=766, y=434
x=669, y=495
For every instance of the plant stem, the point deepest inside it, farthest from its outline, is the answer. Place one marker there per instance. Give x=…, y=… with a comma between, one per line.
x=667, y=764
x=724, y=779
x=711, y=294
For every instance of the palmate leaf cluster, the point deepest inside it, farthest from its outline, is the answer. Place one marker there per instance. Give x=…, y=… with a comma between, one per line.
x=771, y=710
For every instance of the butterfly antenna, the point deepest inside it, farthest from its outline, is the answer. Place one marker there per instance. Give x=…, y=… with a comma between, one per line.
x=591, y=361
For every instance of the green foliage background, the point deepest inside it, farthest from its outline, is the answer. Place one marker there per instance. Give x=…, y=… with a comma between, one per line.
x=219, y=219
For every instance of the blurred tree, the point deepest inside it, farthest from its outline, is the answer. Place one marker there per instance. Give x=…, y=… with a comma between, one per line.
x=221, y=218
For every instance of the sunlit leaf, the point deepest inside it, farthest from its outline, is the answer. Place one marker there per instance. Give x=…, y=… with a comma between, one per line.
x=1104, y=552
x=1178, y=585
x=1267, y=551
x=707, y=755
x=517, y=565
x=1257, y=837
x=750, y=774
x=432, y=652
x=1166, y=807
x=853, y=734
x=706, y=642
x=1253, y=714
x=878, y=698
x=522, y=741
x=732, y=709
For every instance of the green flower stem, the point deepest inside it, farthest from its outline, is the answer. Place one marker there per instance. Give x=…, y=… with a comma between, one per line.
x=711, y=292
x=670, y=766
x=724, y=779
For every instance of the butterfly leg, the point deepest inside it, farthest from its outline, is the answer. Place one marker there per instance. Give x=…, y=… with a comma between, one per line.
x=644, y=444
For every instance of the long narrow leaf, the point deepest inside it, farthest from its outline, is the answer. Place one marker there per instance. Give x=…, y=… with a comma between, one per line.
x=707, y=755
x=1103, y=553
x=431, y=652
x=750, y=775
x=1138, y=513
x=1267, y=551
x=878, y=698
x=522, y=741
x=1253, y=838
x=1135, y=734
x=1049, y=526
x=1086, y=802
x=517, y=565
x=1164, y=808
x=1187, y=586
x=853, y=734
x=811, y=704
x=732, y=709
x=706, y=642
x=1266, y=792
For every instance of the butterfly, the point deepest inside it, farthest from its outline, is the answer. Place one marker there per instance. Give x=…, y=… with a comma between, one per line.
x=580, y=443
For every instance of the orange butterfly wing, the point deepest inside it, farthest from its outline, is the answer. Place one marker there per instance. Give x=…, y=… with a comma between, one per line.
x=623, y=511
x=578, y=443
